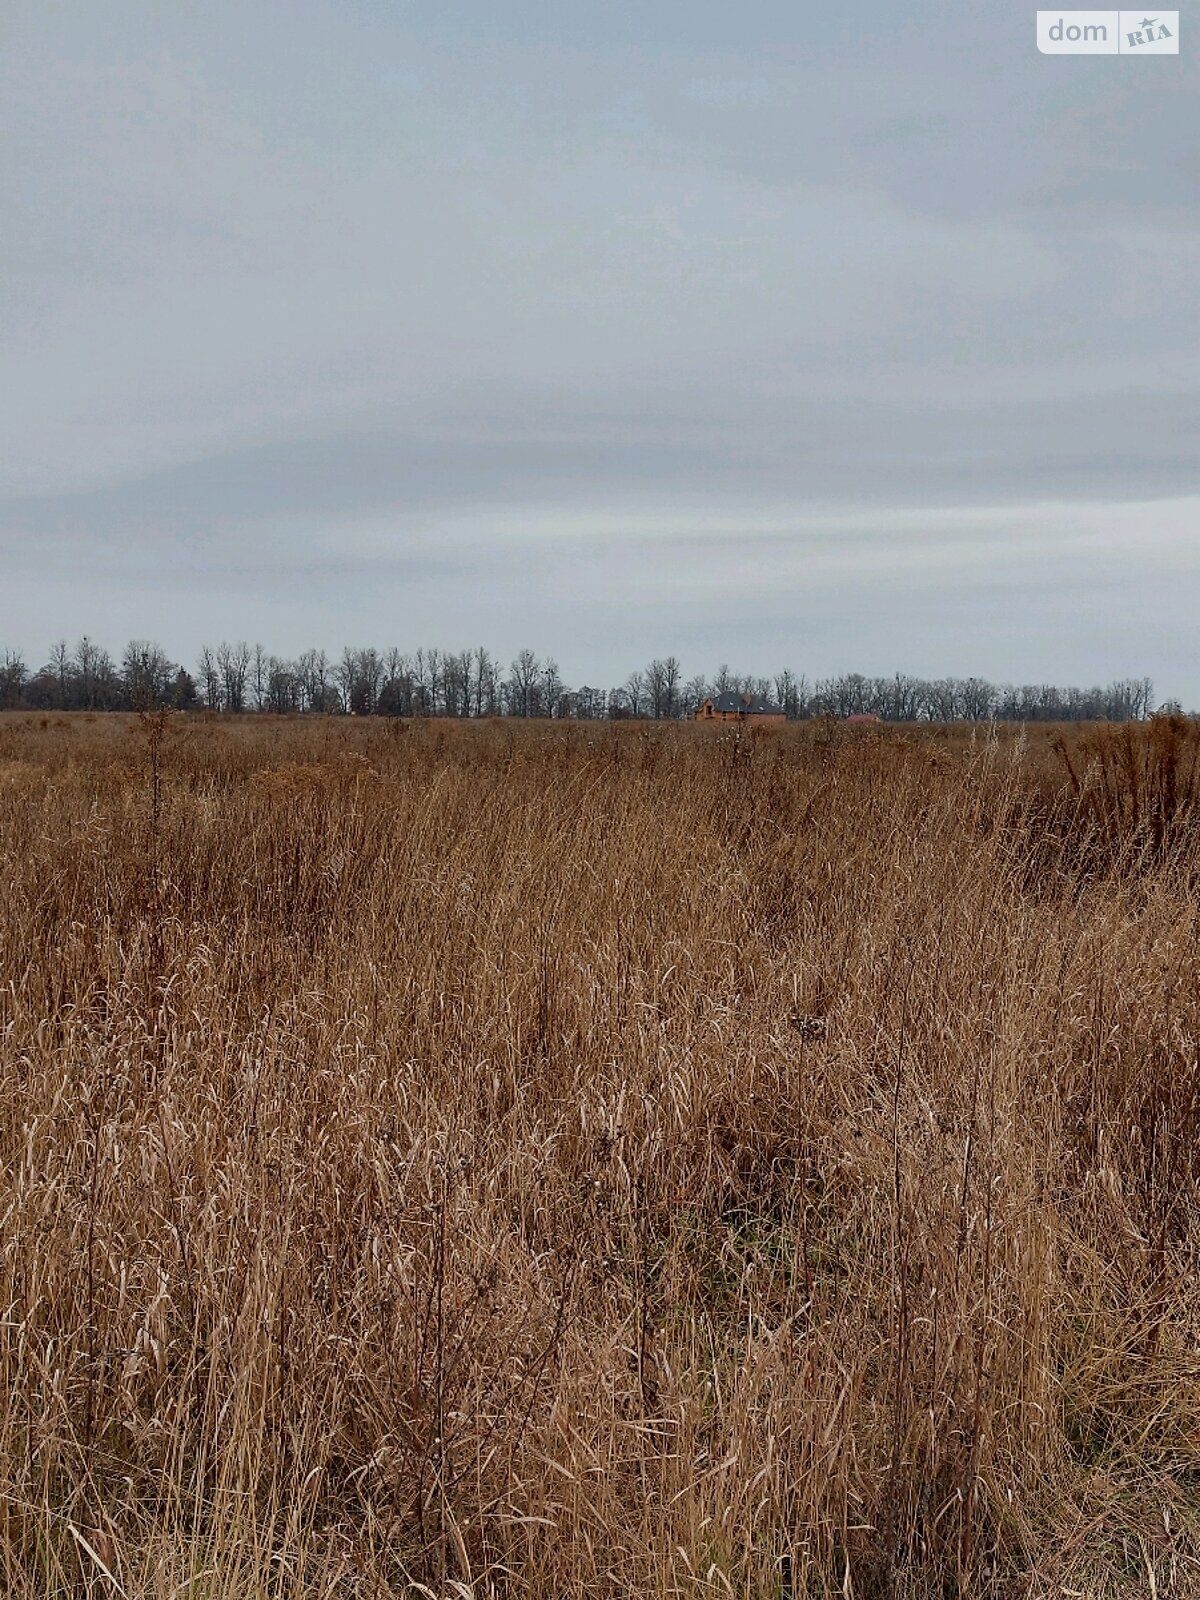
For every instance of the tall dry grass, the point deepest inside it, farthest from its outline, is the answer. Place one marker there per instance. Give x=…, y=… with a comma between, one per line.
x=554, y=1162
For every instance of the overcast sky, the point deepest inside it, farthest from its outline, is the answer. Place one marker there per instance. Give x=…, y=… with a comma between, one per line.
x=861, y=338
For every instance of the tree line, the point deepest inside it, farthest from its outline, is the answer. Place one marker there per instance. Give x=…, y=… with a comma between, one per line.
x=474, y=683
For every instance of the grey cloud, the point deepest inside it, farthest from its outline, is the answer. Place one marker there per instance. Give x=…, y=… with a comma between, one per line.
x=330, y=316
x=667, y=448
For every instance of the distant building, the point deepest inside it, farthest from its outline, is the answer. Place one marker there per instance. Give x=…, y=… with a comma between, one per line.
x=733, y=707
x=862, y=716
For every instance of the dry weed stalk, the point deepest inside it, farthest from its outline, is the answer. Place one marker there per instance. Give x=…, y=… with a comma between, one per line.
x=596, y=1161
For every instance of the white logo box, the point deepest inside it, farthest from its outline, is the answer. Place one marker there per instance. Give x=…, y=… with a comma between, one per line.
x=1108, y=33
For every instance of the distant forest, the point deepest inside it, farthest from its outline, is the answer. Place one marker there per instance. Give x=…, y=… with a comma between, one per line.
x=473, y=683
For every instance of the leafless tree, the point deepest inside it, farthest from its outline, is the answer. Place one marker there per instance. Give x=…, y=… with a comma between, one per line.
x=210, y=678
x=552, y=689
x=148, y=675
x=60, y=666
x=313, y=671
x=636, y=693
x=283, y=688
x=13, y=675
x=526, y=671
x=260, y=668
x=484, y=688
x=694, y=693
x=233, y=662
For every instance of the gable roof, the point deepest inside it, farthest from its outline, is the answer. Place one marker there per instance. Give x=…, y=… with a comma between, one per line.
x=751, y=705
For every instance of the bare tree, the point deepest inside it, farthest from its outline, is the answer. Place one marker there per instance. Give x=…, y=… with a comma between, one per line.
x=359, y=675
x=661, y=679
x=635, y=691
x=784, y=687
x=13, y=675
x=258, y=677
x=84, y=665
x=468, y=683
x=939, y=700
x=148, y=675
x=426, y=680
x=694, y=693
x=210, y=678
x=526, y=671
x=313, y=671
x=552, y=689
x=456, y=683
x=484, y=689
x=283, y=689
x=233, y=662
x=60, y=666
x=978, y=700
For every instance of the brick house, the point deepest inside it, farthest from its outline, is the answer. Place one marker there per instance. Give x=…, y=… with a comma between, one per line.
x=734, y=707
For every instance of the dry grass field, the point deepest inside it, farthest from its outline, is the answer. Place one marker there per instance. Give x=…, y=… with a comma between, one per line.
x=582, y=1161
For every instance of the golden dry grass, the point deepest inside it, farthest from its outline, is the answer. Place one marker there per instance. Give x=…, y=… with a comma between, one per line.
x=544, y=1162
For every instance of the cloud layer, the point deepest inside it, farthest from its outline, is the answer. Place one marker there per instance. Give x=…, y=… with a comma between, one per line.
x=857, y=341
